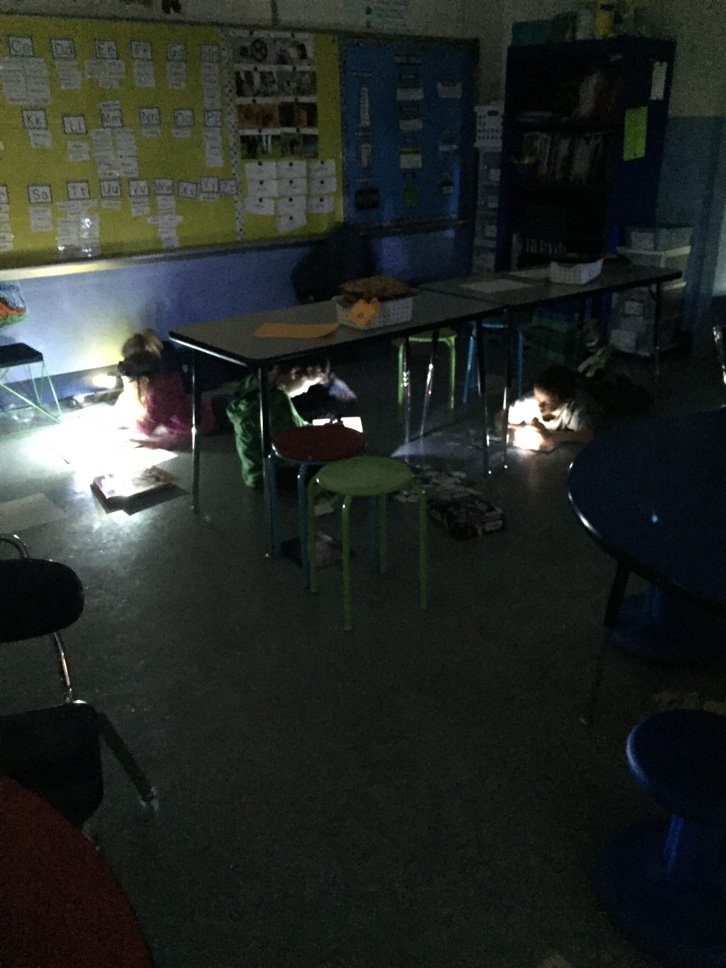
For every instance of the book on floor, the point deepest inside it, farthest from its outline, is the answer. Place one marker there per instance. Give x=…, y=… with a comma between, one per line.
x=118, y=487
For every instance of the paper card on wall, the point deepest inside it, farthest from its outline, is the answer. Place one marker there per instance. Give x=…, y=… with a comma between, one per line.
x=409, y=158
x=293, y=186
x=449, y=89
x=144, y=73
x=321, y=204
x=40, y=139
x=259, y=205
x=78, y=150
x=256, y=170
x=291, y=169
x=41, y=219
x=321, y=168
x=323, y=186
x=291, y=205
x=267, y=187
x=635, y=133
x=289, y=223
x=658, y=76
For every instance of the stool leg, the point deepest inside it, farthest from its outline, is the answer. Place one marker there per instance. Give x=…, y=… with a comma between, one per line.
x=400, y=390
x=470, y=361
x=302, y=525
x=312, y=560
x=382, y=534
x=273, y=504
x=347, y=587
x=429, y=381
x=520, y=361
x=423, y=522
x=452, y=373
x=374, y=527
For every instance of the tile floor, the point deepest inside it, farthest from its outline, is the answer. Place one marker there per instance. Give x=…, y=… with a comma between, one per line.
x=418, y=792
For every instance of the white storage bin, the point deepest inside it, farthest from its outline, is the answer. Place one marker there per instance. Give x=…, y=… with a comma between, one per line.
x=393, y=311
x=575, y=274
x=658, y=237
x=662, y=259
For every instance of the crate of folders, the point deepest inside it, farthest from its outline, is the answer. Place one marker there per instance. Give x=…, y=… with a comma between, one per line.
x=632, y=318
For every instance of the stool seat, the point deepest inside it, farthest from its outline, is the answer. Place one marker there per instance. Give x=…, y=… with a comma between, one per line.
x=365, y=476
x=678, y=758
x=19, y=354
x=373, y=478
x=663, y=883
x=318, y=444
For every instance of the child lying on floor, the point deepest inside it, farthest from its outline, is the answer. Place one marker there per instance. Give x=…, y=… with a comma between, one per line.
x=557, y=411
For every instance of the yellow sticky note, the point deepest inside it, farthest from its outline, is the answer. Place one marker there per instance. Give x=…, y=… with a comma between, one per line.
x=364, y=311
x=295, y=330
x=634, y=133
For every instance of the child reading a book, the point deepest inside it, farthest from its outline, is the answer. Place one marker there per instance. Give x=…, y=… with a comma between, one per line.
x=162, y=410
x=287, y=381
x=557, y=411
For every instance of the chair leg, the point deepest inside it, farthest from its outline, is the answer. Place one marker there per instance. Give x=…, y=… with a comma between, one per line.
x=615, y=600
x=347, y=586
x=274, y=505
x=123, y=754
x=400, y=391
x=63, y=665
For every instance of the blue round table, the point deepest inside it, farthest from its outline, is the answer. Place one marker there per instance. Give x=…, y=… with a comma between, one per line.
x=654, y=497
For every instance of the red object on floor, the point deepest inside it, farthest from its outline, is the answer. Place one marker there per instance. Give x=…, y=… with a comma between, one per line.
x=60, y=905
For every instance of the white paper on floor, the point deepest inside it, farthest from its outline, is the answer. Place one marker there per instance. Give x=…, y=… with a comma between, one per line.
x=28, y=512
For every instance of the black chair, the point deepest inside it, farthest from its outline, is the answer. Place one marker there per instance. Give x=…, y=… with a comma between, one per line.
x=55, y=751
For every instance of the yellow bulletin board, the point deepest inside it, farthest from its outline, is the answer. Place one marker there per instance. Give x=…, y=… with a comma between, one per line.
x=121, y=138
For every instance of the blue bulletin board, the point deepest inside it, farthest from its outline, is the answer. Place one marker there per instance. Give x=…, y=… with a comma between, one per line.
x=408, y=131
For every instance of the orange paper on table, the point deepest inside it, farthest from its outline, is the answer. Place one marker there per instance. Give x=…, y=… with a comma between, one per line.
x=364, y=311
x=295, y=330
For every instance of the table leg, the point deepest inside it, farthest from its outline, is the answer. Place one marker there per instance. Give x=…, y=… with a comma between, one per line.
x=266, y=444
x=429, y=381
x=406, y=376
x=509, y=332
x=482, y=382
x=656, y=334
x=196, y=410
x=612, y=610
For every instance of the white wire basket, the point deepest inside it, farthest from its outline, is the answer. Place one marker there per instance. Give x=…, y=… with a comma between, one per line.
x=393, y=311
x=575, y=273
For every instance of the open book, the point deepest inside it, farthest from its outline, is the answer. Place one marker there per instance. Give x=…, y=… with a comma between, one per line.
x=121, y=486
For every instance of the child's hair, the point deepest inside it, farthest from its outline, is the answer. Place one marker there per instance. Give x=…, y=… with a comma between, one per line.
x=143, y=363
x=310, y=366
x=144, y=342
x=558, y=380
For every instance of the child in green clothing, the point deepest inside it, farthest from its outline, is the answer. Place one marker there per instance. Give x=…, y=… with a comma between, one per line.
x=286, y=381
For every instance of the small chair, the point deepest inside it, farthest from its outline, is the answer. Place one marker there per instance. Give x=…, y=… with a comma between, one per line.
x=55, y=751
x=371, y=477
x=310, y=446
x=20, y=354
x=663, y=884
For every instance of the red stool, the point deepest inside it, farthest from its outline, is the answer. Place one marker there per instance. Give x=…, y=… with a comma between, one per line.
x=310, y=446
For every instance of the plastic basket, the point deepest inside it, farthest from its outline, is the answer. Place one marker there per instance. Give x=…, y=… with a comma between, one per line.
x=393, y=311
x=575, y=274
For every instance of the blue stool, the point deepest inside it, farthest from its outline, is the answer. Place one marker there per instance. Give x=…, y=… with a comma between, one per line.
x=469, y=377
x=308, y=447
x=663, y=884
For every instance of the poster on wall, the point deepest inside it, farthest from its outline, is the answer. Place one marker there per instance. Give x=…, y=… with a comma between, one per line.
x=408, y=116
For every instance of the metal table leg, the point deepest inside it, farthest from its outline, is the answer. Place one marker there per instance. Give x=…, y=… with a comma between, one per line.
x=482, y=384
x=266, y=444
x=196, y=412
x=406, y=376
x=429, y=381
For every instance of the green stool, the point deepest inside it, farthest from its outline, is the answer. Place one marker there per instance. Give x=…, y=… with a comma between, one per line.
x=446, y=336
x=371, y=477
